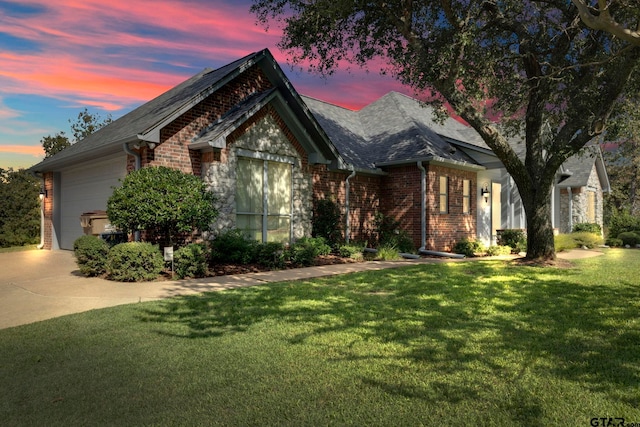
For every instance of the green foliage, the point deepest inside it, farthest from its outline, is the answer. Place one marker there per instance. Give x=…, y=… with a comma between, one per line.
x=134, y=262
x=496, y=250
x=19, y=208
x=91, y=255
x=623, y=221
x=564, y=242
x=304, y=251
x=468, y=247
x=271, y=254
x=54, y=144
x=191, y=261
x=629, y=238
x=233, y=246
x=387, y=253
x=587, y=239
x=515, y=238
x=352, y=251
x=589, y=227
x=327, y=220
x=162, y=201
x=390, y=233
x=614, y=242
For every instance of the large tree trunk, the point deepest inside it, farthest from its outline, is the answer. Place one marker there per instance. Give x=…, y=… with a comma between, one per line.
x=540, y=244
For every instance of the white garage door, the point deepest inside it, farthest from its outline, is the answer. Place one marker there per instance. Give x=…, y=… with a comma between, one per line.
x=87, y=188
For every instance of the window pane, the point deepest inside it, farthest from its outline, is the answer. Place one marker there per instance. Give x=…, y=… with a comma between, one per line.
x=251, y=225
x=249, y=186
x=466, y=196
x=466, y=186
x=444, y=198
x=279, y=200
x=278, y=229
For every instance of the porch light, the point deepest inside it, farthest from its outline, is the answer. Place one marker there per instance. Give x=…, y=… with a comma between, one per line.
x=43, y=193
x=484, y=192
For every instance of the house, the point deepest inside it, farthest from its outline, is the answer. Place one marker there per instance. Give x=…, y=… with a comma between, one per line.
x=268, y=152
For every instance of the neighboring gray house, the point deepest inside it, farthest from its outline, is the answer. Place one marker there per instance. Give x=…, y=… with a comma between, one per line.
x=268, y=153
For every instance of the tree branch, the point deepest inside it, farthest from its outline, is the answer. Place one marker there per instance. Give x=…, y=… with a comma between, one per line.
x=601, y=19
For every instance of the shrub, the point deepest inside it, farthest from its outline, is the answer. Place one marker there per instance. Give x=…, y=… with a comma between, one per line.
x=621, y=222
x=91, y=255
x=564, y=242
x=391, y=234
x=468, y=247
x=498, y=250
x=351, y=251
x=584, y=238
x=629, y=238
x=233, y=246
x=514, y=238
x=614, y=242
x=134, y=262
x=271, y=254
x=190, y=261
x=387, y=253
x=589, y=227
x=163, y=201
x=327, y=221
x=306, y=250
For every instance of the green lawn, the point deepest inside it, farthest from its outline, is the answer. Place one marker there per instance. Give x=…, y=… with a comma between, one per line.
x=469, y=343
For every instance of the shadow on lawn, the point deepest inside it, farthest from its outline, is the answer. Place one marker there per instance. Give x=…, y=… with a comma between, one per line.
x=448, y=318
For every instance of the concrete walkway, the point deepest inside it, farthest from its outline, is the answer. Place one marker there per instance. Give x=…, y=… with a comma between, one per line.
x=40, y=285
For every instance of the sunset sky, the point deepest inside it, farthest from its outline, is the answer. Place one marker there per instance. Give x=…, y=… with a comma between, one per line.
x=58, y=57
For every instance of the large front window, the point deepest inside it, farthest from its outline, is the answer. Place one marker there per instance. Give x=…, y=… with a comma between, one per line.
x=263, y=199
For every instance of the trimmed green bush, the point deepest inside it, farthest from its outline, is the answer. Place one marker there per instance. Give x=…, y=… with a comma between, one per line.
x=496, y=250
x=271, y=254
x=614, y=242
x=629, y=238
x=589, y=227
x=91, y=255
x=513, y=237
x=304, y=251
x=233, y=246
x=621, y=222
x=134, y=262
x=191, y=261
x=351, y=251
x=468, y=247
x=588, y=239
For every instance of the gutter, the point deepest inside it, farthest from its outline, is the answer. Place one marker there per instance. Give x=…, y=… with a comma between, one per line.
x=347, y=190
x=423, y=206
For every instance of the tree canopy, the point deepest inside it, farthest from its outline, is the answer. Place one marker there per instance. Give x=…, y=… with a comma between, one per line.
x=515, y=70
x=84, y=125
x=19, y=210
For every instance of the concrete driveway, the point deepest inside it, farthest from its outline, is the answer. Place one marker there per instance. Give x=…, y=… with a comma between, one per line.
x=40, y=285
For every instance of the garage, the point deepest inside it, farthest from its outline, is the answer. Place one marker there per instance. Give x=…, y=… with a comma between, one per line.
x=86, y=188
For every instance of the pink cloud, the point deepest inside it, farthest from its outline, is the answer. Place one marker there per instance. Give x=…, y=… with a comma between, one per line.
x=30, y=150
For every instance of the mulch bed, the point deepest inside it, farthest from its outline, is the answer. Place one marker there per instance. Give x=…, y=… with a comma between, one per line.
x=231, y=269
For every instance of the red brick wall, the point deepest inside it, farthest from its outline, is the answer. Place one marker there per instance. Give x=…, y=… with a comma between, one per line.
x=444, y=230
x=401, y=199
x=175, y=138
x=364, y=198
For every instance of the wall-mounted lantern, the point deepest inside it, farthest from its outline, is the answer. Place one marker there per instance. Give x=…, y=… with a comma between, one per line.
x=43, y=193
x=484, y=192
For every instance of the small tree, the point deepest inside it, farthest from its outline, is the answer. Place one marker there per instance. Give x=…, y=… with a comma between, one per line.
x=19, y=208
x=163, y=202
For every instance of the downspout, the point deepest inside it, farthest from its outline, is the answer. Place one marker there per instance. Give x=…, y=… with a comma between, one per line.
x=136, y=157
x=423, y=206
x=347, y=190
x=570, y=209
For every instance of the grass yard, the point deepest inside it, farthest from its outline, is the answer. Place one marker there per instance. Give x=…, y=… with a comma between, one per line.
x=468, y=343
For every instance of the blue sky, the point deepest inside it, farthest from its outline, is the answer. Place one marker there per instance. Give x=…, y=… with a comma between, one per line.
x=57, y=58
